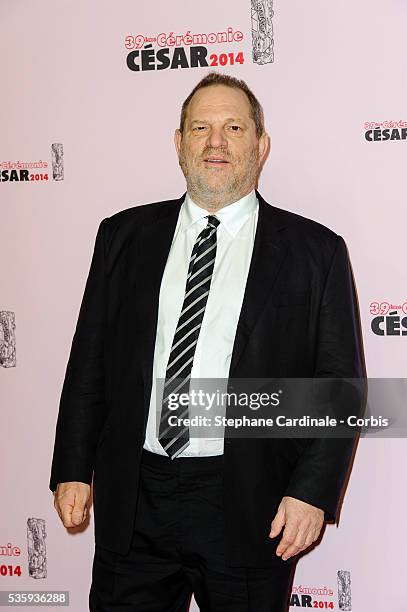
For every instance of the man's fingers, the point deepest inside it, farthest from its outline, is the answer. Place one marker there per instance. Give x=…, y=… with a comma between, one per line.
x=288, y=539
x=311, y=537
x=303, y=522
x=78, y=515
x=70, y=503
x=278, y=522
x=302, y=536
x=67, y=511
x=305, y=537
x=56, y=505
x=297, y=545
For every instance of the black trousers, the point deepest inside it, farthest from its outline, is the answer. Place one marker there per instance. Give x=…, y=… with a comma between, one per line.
x=178, y=549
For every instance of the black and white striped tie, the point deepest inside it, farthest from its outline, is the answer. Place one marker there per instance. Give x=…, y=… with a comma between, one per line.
x=175, y=438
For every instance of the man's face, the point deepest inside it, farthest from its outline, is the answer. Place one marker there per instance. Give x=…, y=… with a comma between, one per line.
x=219, y=151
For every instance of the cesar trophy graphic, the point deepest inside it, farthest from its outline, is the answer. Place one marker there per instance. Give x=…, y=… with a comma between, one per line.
x=37, y=559
x=7, y=339
x=344, y=594
x=262, y=31
x=57, y=152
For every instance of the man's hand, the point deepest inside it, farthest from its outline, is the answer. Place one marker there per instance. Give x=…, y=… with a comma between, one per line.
x=302, y=522
x=70, y=501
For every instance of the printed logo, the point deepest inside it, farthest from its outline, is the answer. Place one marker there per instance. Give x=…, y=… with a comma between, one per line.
x=323, y=597
x=386, y=130
x=34, y=171
x=310, y=597
x=388, y=319
x=7, y=568
x=190, y=50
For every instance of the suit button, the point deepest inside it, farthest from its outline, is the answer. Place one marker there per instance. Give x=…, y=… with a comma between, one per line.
x=227, y=441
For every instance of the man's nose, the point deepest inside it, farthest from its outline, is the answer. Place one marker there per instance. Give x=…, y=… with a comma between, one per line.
x=217, y=138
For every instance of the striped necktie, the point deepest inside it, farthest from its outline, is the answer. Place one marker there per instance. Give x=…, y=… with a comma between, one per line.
x=175, y=438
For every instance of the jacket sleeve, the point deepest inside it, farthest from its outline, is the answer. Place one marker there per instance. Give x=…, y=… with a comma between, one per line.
x=321, y=470
x=82, y=403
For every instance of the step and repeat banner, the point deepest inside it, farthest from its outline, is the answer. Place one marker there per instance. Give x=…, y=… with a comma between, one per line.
x=90, y=97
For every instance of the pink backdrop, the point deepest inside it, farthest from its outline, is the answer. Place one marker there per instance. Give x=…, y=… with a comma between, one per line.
x=337, y=66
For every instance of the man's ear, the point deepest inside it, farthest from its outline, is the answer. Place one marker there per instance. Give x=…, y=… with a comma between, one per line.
x=177, y=140
x=264, y=147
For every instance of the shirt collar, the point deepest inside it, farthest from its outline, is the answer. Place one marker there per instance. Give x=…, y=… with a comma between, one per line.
x=232, y=217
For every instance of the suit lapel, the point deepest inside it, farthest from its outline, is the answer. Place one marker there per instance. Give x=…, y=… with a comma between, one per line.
x=269, y=251
x=154, y=247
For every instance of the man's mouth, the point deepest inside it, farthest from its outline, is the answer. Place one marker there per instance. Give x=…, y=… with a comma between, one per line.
x=215, y=160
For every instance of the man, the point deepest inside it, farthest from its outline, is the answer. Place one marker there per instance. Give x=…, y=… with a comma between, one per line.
x=215, y=284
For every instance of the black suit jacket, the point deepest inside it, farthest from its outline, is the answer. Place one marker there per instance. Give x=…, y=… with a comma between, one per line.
x=299, y=318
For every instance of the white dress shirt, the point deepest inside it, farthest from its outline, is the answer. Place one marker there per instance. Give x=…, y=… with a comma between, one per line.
x=213, y=351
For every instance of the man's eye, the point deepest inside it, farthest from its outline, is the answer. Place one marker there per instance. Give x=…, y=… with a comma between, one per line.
x=199, y=128
x=235, y=128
